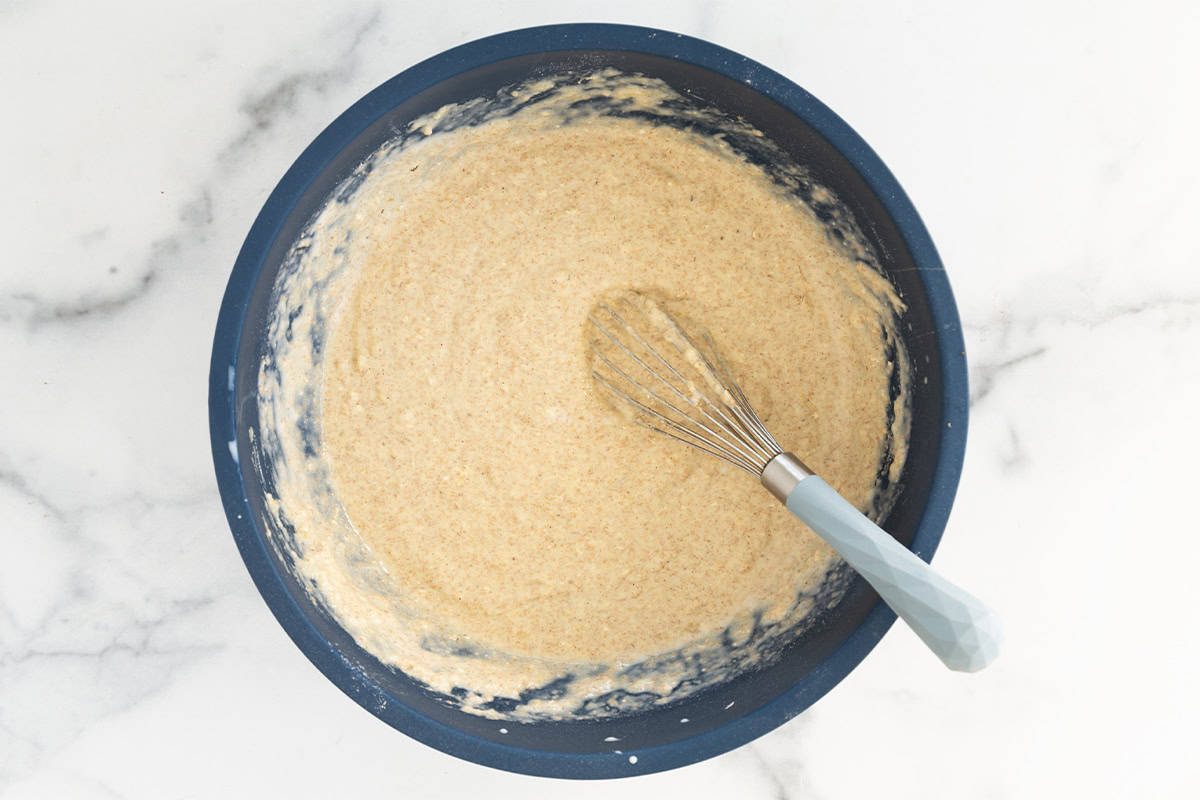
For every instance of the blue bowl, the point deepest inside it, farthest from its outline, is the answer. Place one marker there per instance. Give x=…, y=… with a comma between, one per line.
x=728, y=715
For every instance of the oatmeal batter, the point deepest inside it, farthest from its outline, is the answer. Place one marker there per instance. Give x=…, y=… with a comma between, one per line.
x=499, y=504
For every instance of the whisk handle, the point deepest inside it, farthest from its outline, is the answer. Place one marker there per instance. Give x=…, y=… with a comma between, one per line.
x=963, y=632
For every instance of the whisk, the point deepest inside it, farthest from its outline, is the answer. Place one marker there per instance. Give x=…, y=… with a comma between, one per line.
x=671, y=378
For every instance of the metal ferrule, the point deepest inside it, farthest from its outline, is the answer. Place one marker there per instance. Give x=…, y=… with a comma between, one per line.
x=781, y=475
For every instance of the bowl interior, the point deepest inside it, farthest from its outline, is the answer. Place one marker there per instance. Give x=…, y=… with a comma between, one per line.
x=390, y=694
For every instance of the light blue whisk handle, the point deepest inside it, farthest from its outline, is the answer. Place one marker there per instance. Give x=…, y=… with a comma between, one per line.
x=963, y=632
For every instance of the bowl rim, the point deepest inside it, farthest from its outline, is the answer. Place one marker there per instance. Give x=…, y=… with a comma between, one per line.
x=223, y=403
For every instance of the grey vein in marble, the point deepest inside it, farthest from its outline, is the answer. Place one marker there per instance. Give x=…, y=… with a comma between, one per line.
x=99, y=654
x=264, y=109
x=984, y=374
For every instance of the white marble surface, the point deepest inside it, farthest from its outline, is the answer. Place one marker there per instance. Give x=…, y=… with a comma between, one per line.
x=1051, y=148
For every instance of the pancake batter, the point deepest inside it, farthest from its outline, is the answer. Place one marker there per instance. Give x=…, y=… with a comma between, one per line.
x=491, y=520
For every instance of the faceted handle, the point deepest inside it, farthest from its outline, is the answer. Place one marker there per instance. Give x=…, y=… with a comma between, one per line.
x=963, y=632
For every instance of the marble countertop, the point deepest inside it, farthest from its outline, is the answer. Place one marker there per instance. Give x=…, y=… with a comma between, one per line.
x=1050, y=147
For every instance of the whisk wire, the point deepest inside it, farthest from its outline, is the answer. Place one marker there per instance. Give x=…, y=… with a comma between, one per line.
x=724, y=421
x=655, y=396
x=751, y=419
x=692, y=440
x=726, y=426
x=731, y=438
x=735, y=452
x=758, y=436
